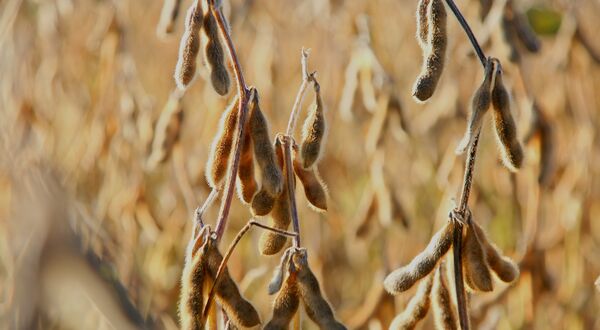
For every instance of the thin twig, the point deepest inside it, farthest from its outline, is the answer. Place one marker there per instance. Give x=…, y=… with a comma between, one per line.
x=287, y=145
x=306, y=78
x=463, y=22
x=202, y=209
x=459, y=285
x=243, y=92
x=468, y=177
x=223, y=264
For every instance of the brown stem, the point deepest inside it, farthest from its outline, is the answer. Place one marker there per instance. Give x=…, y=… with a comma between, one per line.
x=238, y=237
x=287, y=145
x=468, y=177
x=306, y=78
x=463, y=22
x=459, y=285
x=243, y=92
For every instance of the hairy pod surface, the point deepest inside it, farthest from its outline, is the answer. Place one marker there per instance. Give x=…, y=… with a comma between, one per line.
x=285, y=305
x=504, y=267
x=477, y=273
x=221, y=146
x=317, y=308
x=506, y=130
x=246, y=183
x=279, y=273
x=189, y=47
x=423, y=24
x=443, y=311
x=417, y=307
x=262, y=203
x=191, y=300
x=434, y=58
x=405, y=277
x=281, y=217
x=214, y=55
x=168, y=16
x=313, y=132
x=238, y=309
x=166, y=133
x=272, y=179
x=314, y=187
x=480, y=104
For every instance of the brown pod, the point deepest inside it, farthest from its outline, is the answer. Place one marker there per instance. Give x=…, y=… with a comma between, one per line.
x=313, y=132
x=281, y=217
x=168, y=16
x=317, y=308
x=480, y=104
x=506, y=130
x=417, y=308
x=504, y=267
x=443, y=310
x=189, y=47
x=238, y=309
x=525, y=33
x=509, y=33
x=405, y=277
x=214, y=55
x=285, y=305
x=221, y=146
x=166, y=133
x=272, y=179
x=314, y=188
x=262, y=203
x=279, y=273
x=542, y=129
x=246, y=183
x=423, y=24
x=191, y=301
x=433, y=64
x=477, y=273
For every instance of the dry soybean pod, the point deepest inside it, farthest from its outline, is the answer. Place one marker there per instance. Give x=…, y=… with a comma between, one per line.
x=433, y=64
x=168, y=16
x=541, y=127
x=405, y=277
x=443, y=311
x=417, y=307
x=270, y=242
x=279, y=273
x=525, y=33
x=189, y=47
x=262, y=203
x=504, y=267
x=285, y=305
x=477, y=273
x=314, y=188
x=506, y=130
x=246, y=183
x=167, y=130
x=214, y=55
x=317, y=308
x=313, y=131
x=422, y=24
x=238, y=309
x=272, y=179
x=191, y=301
x=479, y=106
x=221, y=146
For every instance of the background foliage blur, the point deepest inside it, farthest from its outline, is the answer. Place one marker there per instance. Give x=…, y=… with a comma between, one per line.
x=83, y=83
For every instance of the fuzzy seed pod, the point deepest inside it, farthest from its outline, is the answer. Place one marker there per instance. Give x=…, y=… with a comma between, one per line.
x=417, y=308
x=168, y=16
x=313, y=132
x=506, y=130
x=443, y=311
x=504, y=267
x=272, y=179
x=189, y=47
x=270, y=242
x=285, y=305
x=314, y=188
x=317, y=308
x=541, y=127
x=246, y=183
x=477, y=273
x=433, y=63
x=405, y=277
x=191, y=301
x=279, y=273
x=214, y=55
x=422, y=24
x=479, y=106
x=238, y=309
x=262, y=203
x=166, y=133
x=221, y=146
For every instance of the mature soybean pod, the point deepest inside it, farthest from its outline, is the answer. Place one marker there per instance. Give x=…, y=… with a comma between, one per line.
x=477, y=273
x=423, y=24
x=443, y=310
x=417, y=308
x=214, y=55
x=434, y=58
x=221, y=146
x=504, y=267
x=189, y=47
x=506, y=130
x=246, y=183
x=285, y=305
x=313, y=132
x=314, y=188
x=405, y=277
x=191, y=300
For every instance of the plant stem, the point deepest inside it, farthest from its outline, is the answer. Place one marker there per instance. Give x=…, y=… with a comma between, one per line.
x=242, y=114
x=461, y=300
x=468, y=177
x=287, y=145
x=223, y=264
x=463, y=22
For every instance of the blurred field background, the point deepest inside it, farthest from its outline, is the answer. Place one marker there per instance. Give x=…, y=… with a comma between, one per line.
x=84, y=82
